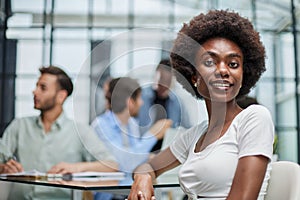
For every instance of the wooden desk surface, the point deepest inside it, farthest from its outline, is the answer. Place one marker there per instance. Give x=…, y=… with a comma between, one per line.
x=102, y=185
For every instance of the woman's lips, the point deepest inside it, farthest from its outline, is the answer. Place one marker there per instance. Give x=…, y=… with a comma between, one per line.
x=223, y=85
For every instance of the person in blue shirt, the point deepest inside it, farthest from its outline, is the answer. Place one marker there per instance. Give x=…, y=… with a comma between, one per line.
x=119, y=130
x=160, y=102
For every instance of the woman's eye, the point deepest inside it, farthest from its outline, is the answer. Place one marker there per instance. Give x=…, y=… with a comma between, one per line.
x=208, y=63
x=233, y=65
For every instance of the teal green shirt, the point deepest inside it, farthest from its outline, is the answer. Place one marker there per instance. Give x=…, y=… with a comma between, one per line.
x=67, y=141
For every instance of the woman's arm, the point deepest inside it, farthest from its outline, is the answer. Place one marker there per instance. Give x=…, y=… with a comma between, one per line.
x=248, y=178
x=255, y=138
x=142, y=187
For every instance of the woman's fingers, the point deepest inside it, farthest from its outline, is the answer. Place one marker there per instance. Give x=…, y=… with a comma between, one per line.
x=141, y=196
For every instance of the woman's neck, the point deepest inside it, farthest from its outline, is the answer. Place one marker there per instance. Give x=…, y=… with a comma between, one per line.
x=221, y=113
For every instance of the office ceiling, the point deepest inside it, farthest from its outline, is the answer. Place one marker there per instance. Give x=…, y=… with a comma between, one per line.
x=267, y=15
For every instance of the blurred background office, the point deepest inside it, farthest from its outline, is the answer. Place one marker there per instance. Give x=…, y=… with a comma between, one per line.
x=98, y=39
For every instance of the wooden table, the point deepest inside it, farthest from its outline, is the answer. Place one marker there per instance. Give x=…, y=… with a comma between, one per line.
x=77, y=187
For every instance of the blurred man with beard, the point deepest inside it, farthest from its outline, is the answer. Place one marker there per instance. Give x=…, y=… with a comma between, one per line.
x=161, y=102
x=51, y=142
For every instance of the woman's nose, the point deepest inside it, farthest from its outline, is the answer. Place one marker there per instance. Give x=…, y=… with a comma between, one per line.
x=222, y=70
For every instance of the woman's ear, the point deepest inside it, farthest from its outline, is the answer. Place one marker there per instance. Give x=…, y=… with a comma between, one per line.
x=194, y=79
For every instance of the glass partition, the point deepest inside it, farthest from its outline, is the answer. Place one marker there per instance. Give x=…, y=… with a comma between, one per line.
x=62, y=33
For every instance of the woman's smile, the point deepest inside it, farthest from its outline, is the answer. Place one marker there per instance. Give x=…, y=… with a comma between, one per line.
x=221, y=85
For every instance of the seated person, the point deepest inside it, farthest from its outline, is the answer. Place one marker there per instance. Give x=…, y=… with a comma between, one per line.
x=161, y=103
x=51, y=142
x=119, y=130
x=221, y=58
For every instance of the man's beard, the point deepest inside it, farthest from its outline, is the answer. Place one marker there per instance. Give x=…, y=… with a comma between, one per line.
x=47, y=105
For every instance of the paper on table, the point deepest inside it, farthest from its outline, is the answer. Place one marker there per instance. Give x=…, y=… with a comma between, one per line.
x=94, y=176
x=80, y=176
x=34, y=174
x=99, y=174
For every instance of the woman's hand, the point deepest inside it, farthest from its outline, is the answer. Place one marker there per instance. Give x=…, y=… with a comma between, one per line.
x=142, y=188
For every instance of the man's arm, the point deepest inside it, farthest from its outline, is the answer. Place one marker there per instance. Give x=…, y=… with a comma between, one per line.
x=8, y=142
x=95, y=155
x=8, y=146
x=160, y=127
x=156, y=132
x=97, y=166
x=94, y=148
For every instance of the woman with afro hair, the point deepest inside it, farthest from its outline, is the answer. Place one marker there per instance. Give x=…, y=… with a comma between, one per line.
x=217, y=57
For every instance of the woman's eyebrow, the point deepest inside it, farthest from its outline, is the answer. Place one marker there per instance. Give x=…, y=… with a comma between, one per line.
x=208, y=53
x=213, y=54
x=233, y=55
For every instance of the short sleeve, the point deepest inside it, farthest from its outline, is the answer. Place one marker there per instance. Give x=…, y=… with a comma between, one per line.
x=256, y=133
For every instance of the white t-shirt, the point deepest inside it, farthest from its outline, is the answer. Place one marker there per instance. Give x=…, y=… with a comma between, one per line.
x=209, y=174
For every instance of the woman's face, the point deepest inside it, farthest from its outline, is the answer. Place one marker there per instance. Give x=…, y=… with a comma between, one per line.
x=220, y=70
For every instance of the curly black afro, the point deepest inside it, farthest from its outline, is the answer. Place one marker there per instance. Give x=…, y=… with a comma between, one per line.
x=218, y=23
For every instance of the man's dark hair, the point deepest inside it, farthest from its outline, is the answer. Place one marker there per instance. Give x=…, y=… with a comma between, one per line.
x=214, y=24
x=64, y=81
x=120, y=89
x=164, y=64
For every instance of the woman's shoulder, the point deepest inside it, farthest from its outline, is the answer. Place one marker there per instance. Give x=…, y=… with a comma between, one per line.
x=197, y=129
x=252, y=113
x=256, y=109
